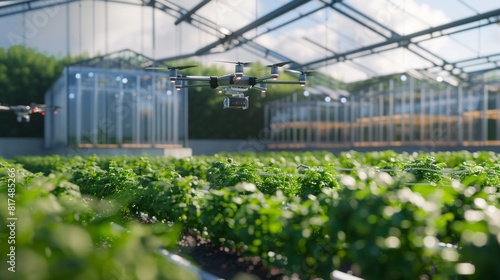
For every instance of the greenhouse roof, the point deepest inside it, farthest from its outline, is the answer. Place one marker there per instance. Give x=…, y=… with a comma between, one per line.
x=350, y=40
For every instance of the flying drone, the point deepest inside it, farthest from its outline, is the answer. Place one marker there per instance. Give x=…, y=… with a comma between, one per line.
x=234, y=85
x=24, y=112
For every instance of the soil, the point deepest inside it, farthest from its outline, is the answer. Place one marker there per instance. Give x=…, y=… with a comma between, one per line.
x=224, y=262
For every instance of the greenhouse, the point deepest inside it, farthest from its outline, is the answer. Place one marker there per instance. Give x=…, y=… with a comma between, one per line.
x=395, y=111
x=110, y=102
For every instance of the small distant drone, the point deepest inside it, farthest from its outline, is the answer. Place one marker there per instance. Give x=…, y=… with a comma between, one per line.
x=234, y=85
x=24, y=112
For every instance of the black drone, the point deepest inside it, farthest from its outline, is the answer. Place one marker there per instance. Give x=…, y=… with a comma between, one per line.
x=24, y=112
x=234, y=85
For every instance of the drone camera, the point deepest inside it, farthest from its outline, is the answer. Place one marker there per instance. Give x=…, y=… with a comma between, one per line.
x=236, y=102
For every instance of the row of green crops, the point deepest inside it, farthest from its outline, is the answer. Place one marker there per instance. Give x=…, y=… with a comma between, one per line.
x=51, y=231
x=381, y=215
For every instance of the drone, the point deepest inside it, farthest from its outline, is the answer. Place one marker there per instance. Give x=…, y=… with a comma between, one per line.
x=24, y=112
x=236, y=84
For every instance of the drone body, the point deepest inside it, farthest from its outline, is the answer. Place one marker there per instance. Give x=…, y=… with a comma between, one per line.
x=24, y=112
x=234, y=85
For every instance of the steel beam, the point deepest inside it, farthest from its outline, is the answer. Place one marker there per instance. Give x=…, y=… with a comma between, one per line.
x=491, y=17
x=268, y=17
x=189, y=13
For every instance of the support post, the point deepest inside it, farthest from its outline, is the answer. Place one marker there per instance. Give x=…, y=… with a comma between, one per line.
x=390, y=121
x=412, y=110
x=484, y=115
x=460, y=117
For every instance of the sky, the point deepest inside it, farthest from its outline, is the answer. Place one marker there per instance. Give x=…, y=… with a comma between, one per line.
x=82, y=27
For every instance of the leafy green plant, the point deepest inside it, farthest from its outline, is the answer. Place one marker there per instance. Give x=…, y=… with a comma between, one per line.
x=313, y=180
x=425, y=169
x=63, y=235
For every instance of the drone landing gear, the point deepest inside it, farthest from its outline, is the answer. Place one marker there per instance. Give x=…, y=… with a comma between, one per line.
x=236, y=101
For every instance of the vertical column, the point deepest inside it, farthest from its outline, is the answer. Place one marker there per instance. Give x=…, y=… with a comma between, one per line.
x=345, y=121
x=267, y=124
x=352, y=107
x=390, y=120
x=152, y=123
x=158, y=116
x=294, y=117
x=337, y=122
x=185, y=120
x=470, y=109
x=94, y=128
x=497, y=108
x=380, y=129
x=119, y=114
x=327, y=120
x=164, y=111
x=169, y=122
x=412, y=110
x=175, y=117
x=282, y=109
x=78, y=113
x=403, y=113
x=423, y=110
x=448, y=114
x=441, y=101
x=460, y=116
x=431, y=115
x=136, y=128
x=381, y=114
x=484, y=115
x=361, y=122
x=370, y=114
x=302, y=111
x=288, y=110
x=318, y=122
x=309, y=128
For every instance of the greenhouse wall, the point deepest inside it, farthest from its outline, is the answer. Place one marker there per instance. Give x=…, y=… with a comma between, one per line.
x=393, y=113
x=108, y=108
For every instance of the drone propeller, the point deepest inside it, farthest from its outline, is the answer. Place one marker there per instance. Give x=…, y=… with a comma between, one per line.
x=307, y=72
x=238, y=68
x=236, y=62
x=274, y=68
x=172, y=67
x=302, y=75
x=279, y=64
x=172, y=70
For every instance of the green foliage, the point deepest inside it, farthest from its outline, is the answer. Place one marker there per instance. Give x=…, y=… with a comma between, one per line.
x=313, y=180
x=222, y=174
x=61, y=234
x=426, y=169
x=381, y=215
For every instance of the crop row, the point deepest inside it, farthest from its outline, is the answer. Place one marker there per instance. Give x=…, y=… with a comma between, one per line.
x=381, y=215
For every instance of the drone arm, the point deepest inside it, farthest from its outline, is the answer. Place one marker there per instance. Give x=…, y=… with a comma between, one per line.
x=262, y=79
x=194, y=85
x=194, y=78
x=284, y=82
